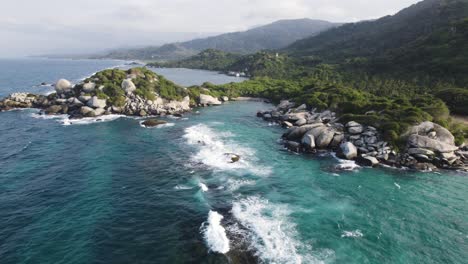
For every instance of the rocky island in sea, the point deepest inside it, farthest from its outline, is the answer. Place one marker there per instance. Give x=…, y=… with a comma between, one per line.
x=133, y=92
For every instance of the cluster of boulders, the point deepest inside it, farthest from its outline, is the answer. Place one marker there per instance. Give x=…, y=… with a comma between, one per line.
x=429, y=145
x=78, y=101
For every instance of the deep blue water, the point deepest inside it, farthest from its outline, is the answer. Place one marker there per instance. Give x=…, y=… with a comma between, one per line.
x=114, y=192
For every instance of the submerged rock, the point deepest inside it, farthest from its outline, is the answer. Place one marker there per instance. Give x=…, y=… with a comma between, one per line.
x=153, y=122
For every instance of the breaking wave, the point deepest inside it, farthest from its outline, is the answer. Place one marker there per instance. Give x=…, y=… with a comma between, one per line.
x=215, y=234
x=216, y=151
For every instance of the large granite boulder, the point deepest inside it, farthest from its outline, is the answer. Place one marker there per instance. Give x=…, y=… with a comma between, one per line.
x=424, y=142
x=433, y=131
x=354, y=127
x=63, y=86
x=285, y=104
x=308, y=141
x=89, y=87
x=348, y=151
x=95, y=102
x=53, y=109
x=325, y=138
x=86, y=111
x=367, y=161
x=296, y=133
x=206, y=100
x=128, y=86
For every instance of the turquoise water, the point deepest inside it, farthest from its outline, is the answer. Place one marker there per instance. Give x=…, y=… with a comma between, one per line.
x=114, y=192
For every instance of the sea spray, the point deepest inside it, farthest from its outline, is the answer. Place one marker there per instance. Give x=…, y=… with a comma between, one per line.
x=203, y=187
x=215, y=234
x=214, y=147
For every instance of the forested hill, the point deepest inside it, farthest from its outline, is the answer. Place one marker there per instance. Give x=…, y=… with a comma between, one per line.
x=428, y=38
x=272, y=36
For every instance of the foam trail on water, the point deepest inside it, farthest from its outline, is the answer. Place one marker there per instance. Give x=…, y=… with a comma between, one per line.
x=215, y=234
x=271, y=232
x=355, y=233
x=216, y=150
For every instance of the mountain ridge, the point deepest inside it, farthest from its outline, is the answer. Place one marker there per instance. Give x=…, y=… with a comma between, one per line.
x=276, y=35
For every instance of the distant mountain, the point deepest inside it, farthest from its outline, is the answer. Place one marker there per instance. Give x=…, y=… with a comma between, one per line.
x=430, y=37
x=272, y=36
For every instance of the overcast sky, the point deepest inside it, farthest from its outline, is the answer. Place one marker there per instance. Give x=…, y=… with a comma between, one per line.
x=30, y=27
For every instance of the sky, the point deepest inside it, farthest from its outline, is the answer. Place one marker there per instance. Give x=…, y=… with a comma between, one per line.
x=35, y=27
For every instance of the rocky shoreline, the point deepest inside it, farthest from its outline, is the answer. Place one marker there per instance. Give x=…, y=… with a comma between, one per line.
x=428, y=146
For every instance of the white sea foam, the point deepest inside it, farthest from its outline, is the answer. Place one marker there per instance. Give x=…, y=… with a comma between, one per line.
x=203, y=187
x=397, y=185
x=216, y=150
x=66, y=121
x=234, y=185
x=158, y=126
x=272, y=234
x=43, y=116
x=215, y=234
x=345, y=164
x=182, y=187
x=90, y=120
x=355, y=233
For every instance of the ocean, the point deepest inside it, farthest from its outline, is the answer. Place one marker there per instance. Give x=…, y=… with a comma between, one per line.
x=115, y=192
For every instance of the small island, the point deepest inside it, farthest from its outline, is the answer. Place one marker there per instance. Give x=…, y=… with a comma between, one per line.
x=133, y=92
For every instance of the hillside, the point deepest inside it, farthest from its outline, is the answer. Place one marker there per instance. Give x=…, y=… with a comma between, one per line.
x=272, y=36
x=424, y=39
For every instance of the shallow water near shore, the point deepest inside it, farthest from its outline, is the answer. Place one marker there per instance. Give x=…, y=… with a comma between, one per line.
x=115, y=192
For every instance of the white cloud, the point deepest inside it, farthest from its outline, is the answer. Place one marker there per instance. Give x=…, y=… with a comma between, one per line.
x=99, y=24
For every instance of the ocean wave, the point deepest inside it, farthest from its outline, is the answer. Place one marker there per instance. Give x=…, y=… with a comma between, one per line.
x=271, y=233
x=215, y=150
x=215, y=234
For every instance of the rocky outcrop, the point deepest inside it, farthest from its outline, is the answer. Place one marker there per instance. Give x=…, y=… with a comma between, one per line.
x=309, y=131
x=208, y=100
x=429, y=145
x=82, y=100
